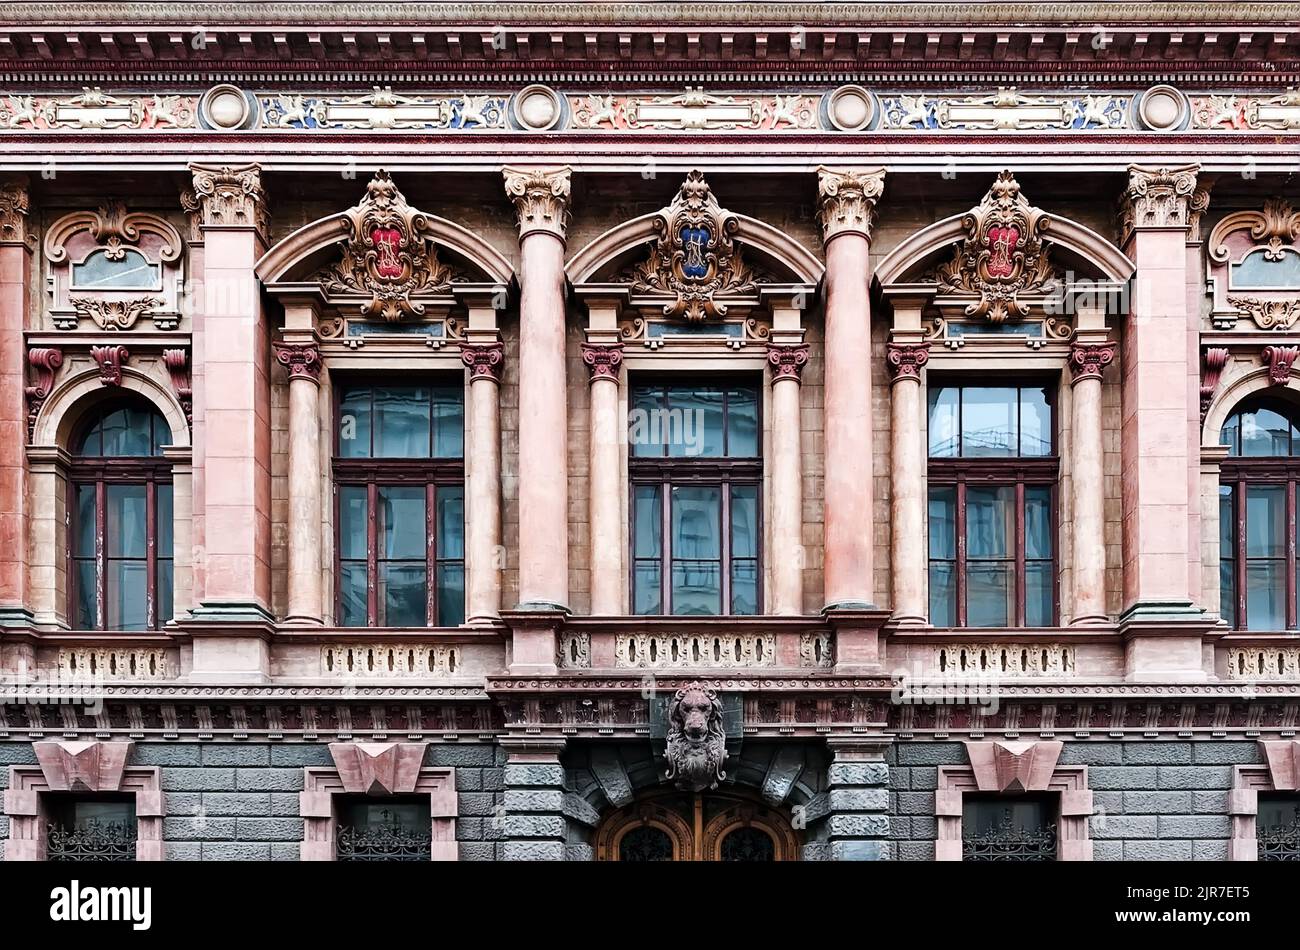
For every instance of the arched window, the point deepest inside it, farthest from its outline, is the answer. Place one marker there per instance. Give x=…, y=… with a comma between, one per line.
x=120, y=504
x=1257, y=517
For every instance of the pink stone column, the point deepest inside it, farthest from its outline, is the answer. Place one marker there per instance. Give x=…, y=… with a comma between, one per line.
x=541, y=199
x=16, y=246
x=847, y=202
x=237, y=477
x=1088, y=361
x=483, y=483
x=908, y=557
x=603, y=361
x=304, y=364
x=787, y=361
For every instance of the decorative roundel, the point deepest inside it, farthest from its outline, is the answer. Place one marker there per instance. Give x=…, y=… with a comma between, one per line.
x=227, y=108
x=537, y=109
x=1161, y=109
x=849, y=108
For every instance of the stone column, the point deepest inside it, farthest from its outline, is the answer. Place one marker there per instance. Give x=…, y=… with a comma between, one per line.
x=1161, y=625
x=847, y=202
x=603, y=361
x=858, y=800
x=787, y=361
x=1088, y=361
x=533, y=825
x=483, y=482
x=16, y=246
x=304, y=364
x=541, y=198
x=908, y=556
x=237, y=454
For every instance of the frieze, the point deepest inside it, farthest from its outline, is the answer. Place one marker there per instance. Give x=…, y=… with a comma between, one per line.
x=383, y=110
x=93, y=110
x=695, y=110
x=1005, y=110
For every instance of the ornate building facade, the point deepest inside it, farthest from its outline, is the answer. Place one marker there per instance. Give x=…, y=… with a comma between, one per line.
x=731, y=431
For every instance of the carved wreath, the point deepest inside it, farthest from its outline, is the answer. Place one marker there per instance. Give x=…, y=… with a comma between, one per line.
x=696, y=258
x=388, y=254
x=1002, y=255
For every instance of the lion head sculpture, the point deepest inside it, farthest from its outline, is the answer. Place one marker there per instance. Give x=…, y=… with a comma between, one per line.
x=696, y=743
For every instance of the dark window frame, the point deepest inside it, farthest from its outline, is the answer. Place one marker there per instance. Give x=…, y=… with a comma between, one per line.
x=1011, y=471
x=372, y=472
x=722, y=472
x=1241, y=474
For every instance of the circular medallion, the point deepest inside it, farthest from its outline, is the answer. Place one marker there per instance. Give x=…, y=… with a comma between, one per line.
x=850, y=108
x=537, y=108
x=226, y=107
x=1162, y=108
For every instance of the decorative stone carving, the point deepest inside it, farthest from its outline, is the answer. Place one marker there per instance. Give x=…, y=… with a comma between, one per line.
x=1197, y=204
x=787, y=360
x=1004, y=110
x=193, y=209
x=696, y=258
x=1235, y=113
x=694, y=651
x=301, y=359
x=1275, y=229
x=378, y=768
x=114, y=229
x=381, y=110
x=485, y=360
x=1156, y=198
x=231, y=196
x=1004, y=659
x=694, y=111
x=83, y=766
x=574, y=652
x=817, y=650
x=696, y=742
x=1268, y=314
x=1216, y=358
x=906, y=359
x=389, y=661
x=110, y=360
x=1264, y=663
x=1014, y=766
x=847, y=200
x=387, y=254
x=541, y=198
x=45, y=362
x=1279, y=360
x=14, y=204
x=1089, y=360
x=114, y=314
x=178, y=368
x=603, y=360
x=1003, y=254
x=92, y=665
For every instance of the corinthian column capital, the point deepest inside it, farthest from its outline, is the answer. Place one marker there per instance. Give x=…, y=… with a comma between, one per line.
x=541, y=198
x=906, y=359
x=787, y=360
x=603, y=360
x=229, y=196
x=1157, y=198
x=484, y=360
x=14, y=203
x=846, y=200
x=1089, y=360
x=301, y=359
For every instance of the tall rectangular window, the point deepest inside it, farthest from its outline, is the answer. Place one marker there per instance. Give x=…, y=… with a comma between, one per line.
x=400, y=506
x=992, y=502
x=695, y=468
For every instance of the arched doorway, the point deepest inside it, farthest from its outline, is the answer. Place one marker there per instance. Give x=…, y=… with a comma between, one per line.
x=710, y=826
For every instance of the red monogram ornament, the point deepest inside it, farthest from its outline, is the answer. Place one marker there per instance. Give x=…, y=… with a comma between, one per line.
x=387, y=241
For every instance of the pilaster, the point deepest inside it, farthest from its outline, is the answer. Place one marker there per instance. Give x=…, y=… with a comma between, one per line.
x=533, y=824
x=858, y=800
x=16, y=245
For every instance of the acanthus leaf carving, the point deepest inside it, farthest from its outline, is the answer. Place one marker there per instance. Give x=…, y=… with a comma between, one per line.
x=1268, y=314
x=14, y=204
x=696, y=258
x=114, y=314
x=388, y=253
x=45, y=362
x=110, y=360
x=1279, y=360
x=541, y=198
x=231, y=196
x=847, y=200
x=1158, y=198
x=1002, y=255
x=1276, y=229
x=1216, y=359
x=177, y=362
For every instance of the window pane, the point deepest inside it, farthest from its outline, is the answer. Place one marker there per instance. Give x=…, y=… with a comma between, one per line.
x=451, y=594
x=697, y=587
x=1228, y=592
x=126, y=523
x=1265, y=432
x=402, y=422
x=694, y=422
x=401, y=526
x=990, y=521
x=1035, y=422
x=744, y=521
x=86, y=617
x=1227, y=554
x=451, y=522
x=1230, y=434
x=1038, y=522
x=697, y=522
x=131, y=271
x=84, y=539
x=648, y=521
x=164, y=588
x=164, y=519
x=1038, y=594
x=448, y=422
x=645, y=433
x=1227, y=522
x=352, y=522
x=646, y=588
x=128, y=433
x=1266, y=521
x=744, y=587
x=943, y=422
x=990, y=594
x=943, y=594
x=988, y=422
x=1266, y=595
x=742, y=422
x=127, y=594
x=354, y=423
x=352, y=595
x=402, y=593
x=943, y=523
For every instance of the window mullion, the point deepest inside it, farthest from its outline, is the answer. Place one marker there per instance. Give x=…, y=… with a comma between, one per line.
x=1019, y=542
x=372, y=555
x=151, y=554
x=101, y=556
x=724, y=518
x=961, y=550
x=431, y=550
x=666, y=572
x=1290, y=554
x=1241, y=554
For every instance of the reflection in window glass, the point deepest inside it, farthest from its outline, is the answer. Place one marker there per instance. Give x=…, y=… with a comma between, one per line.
x=129, y=271
x=989, y=422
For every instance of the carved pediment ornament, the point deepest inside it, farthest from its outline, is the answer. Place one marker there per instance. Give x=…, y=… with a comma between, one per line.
x=1275, y=229
x=114, y=229
x=115, y=314
x=1003, y=254
x=388, y=254
x=1268, y=314
x=696, y=258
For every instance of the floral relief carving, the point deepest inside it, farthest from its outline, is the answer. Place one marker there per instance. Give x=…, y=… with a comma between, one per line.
x=1268, y=314
x=1003, y=254
x=14, y=204
x=1276, y=228
x=696, y=258
x=1157, y=198
x=114, y=314
x=110, y=360
x=847, y=201
x=388, y=254
x=1279, y=360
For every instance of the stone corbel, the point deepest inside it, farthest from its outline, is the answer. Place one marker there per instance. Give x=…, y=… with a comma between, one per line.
x=177, y=362
x=1283, y=759
x=1013, y=766
x=111, y=359
x=1216, y=360
x=378, y=768
x=45, y=362
x=1279, y=360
